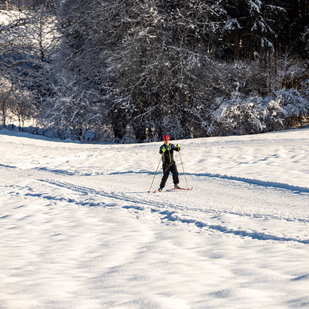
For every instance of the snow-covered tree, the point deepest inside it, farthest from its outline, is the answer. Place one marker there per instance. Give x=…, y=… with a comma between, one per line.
x=30, y=41
x=6, y=101
x=145, y=68
x=71, y=111
x=158, y=61
x=250, y=24
x=254, y=114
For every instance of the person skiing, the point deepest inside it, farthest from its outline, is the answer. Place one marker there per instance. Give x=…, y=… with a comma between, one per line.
x=169, y=165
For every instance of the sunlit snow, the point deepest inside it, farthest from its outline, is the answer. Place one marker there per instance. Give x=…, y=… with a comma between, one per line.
x=80, y=230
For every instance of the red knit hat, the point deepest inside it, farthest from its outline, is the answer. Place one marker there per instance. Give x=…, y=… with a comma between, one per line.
x=166, y=137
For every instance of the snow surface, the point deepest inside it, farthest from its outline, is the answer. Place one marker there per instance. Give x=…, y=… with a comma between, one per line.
x=80, y=230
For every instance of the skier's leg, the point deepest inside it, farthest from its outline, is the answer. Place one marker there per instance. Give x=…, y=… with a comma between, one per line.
x=166, y=172
x=175, y=174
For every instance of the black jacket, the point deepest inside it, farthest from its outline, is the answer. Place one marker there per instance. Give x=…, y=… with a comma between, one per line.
x=168, y=157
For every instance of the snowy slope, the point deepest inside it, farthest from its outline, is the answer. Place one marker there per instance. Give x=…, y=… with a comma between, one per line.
x=79, y=230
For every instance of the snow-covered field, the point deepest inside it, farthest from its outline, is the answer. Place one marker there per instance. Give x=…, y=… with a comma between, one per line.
x=78, y=228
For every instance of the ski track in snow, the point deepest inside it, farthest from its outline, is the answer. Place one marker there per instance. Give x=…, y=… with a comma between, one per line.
x=168, y=212
x=296, y=189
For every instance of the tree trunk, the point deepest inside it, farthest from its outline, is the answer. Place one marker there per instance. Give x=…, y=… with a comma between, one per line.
x=236, y=43
x=3, y=113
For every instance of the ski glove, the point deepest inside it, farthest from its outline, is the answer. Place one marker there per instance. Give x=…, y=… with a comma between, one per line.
x=163, y=149
x=178, y=146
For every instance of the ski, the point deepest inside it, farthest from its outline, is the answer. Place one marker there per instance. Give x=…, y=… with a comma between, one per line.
x=172, y=189
x=187, y=189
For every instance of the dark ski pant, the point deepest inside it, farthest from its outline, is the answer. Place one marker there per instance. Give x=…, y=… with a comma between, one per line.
x=167, y=169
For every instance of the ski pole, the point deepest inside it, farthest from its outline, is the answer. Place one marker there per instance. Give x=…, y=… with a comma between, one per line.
x=183, y=170
x=156, y=172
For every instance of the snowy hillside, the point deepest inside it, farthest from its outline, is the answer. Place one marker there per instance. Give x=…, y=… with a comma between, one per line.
x=79, y=229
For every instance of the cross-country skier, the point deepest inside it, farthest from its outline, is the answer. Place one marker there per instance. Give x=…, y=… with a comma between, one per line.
x=169, y=165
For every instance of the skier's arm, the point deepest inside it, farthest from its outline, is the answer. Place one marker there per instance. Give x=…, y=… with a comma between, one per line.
x=176, y=148
x=162, y=149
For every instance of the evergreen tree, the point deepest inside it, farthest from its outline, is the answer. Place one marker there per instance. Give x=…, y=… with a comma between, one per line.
x=250, y=24
x=293, y=28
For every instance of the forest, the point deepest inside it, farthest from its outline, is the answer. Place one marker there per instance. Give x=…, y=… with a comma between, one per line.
x=134, y=70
